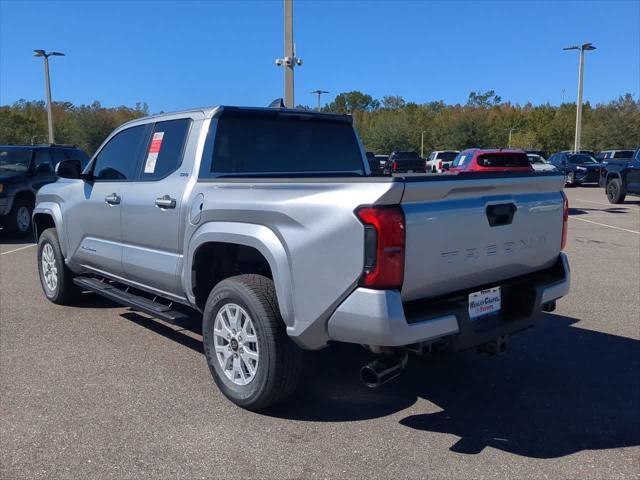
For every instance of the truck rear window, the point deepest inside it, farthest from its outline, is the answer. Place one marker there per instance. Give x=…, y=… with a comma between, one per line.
x=503, y=160
x=265, y=142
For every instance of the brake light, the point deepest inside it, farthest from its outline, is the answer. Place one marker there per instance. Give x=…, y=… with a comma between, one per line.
x=565, y=220
x=384, y=246
x=439, y=164
x=394, y=166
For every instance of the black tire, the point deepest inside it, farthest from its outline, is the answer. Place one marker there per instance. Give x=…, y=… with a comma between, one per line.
x=64, y=290
x=280, y=361
x=571, y=179
x=15, y=220
x=615, y=191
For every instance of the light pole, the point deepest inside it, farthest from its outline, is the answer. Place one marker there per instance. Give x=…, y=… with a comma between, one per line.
x=511, y=130
x=290, y=60
x=422, y=144
x=42, y=53
x=319, y=92
x=582, y=48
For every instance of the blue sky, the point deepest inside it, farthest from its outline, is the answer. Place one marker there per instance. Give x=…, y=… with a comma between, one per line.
x=181, y=54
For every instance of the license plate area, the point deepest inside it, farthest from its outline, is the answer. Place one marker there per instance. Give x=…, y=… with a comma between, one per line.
x=485, y=303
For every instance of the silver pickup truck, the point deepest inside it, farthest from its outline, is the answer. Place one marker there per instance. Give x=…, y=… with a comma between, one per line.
x=267, y=223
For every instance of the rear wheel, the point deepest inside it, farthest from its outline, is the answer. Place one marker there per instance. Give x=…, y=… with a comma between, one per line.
x=251, y=358
x=19, y=218
x=55, y=278
x=615, y=192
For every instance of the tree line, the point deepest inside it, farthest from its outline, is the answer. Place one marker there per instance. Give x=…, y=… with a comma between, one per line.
x=485, y=120
x=385, y=124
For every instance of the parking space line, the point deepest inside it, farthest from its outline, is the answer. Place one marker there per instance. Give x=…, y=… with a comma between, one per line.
x=605, y=225
x=590, y=201
x=18, y=249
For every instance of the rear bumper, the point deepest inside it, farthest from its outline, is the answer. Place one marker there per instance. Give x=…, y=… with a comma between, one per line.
x=379, y=317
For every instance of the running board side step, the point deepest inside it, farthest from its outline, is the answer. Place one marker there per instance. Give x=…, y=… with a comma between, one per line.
x=129, y=299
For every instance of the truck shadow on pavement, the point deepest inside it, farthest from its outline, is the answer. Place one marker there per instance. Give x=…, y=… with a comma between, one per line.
x=559, y=389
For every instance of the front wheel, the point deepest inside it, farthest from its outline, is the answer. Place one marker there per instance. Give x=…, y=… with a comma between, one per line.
x=55, y=278
x=615, y=193
x=251, y=358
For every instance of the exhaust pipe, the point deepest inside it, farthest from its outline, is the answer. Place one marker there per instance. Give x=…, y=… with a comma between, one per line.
x=383, y=369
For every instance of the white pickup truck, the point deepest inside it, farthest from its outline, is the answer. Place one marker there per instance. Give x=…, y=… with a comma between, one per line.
x=266, y=224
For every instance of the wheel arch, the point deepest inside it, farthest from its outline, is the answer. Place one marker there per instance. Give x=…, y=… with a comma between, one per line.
x=49, y=215
x=220, y=237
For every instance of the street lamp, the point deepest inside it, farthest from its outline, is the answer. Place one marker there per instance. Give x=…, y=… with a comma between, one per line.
x=290, y=60
x=511, y=130
x=42, y=53
x=582, y=48
x=319, y=92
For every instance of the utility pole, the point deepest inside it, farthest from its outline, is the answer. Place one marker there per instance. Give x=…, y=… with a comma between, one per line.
x=511, y=130
x=290, y=60
x=422, y=144
x=585, y=46
x=319, y=92
x=41, y=53
x=563, y=96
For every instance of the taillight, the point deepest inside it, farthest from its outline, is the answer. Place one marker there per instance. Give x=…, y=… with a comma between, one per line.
x=384, y=246
x=394, y=166
x=565, y=220
x=439, y=164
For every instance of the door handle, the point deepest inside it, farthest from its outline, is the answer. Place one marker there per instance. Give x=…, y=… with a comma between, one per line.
x=112, y=199
x=166, y=202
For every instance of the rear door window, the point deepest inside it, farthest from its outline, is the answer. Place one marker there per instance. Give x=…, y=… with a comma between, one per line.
x=164, y=153
x=278, y=143
x=43, y=162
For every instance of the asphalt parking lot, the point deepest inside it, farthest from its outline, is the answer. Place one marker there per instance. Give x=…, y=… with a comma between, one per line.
x=98, y=391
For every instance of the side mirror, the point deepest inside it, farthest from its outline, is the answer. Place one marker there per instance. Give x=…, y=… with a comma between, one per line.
x=69, y=169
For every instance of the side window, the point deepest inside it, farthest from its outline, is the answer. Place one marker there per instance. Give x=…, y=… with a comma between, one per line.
x=164, y=154
x=43, y=163
x=119, y=159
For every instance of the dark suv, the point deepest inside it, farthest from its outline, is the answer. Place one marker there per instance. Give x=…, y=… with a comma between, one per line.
x=578, y=168
x=23, y=170
x=404, y=162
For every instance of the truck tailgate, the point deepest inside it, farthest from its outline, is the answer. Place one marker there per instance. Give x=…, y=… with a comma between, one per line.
x=468, y=232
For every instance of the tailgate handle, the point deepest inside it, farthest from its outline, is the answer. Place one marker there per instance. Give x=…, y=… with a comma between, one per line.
x=501, y=214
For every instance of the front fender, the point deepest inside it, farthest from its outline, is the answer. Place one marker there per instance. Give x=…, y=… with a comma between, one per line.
x=53, y=210
x=259, y=237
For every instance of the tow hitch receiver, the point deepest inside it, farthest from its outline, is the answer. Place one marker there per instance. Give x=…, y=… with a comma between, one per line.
x=499, y=345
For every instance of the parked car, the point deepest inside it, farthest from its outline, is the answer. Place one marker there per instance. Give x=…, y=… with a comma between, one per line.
x=382, y=162
x=501, y=160
x=262, y=220
x=586, y=152
x=621, y=177
x=23, y=170
x=440, y=160
x=578, y=168
x=606, y=155
x=542, y=153
x=539, y=163
x=404, y=162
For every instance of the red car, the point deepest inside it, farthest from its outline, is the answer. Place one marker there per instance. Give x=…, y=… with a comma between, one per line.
x=502, y=160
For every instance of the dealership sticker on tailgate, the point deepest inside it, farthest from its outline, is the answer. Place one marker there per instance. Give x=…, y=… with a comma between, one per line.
x=484, y=302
